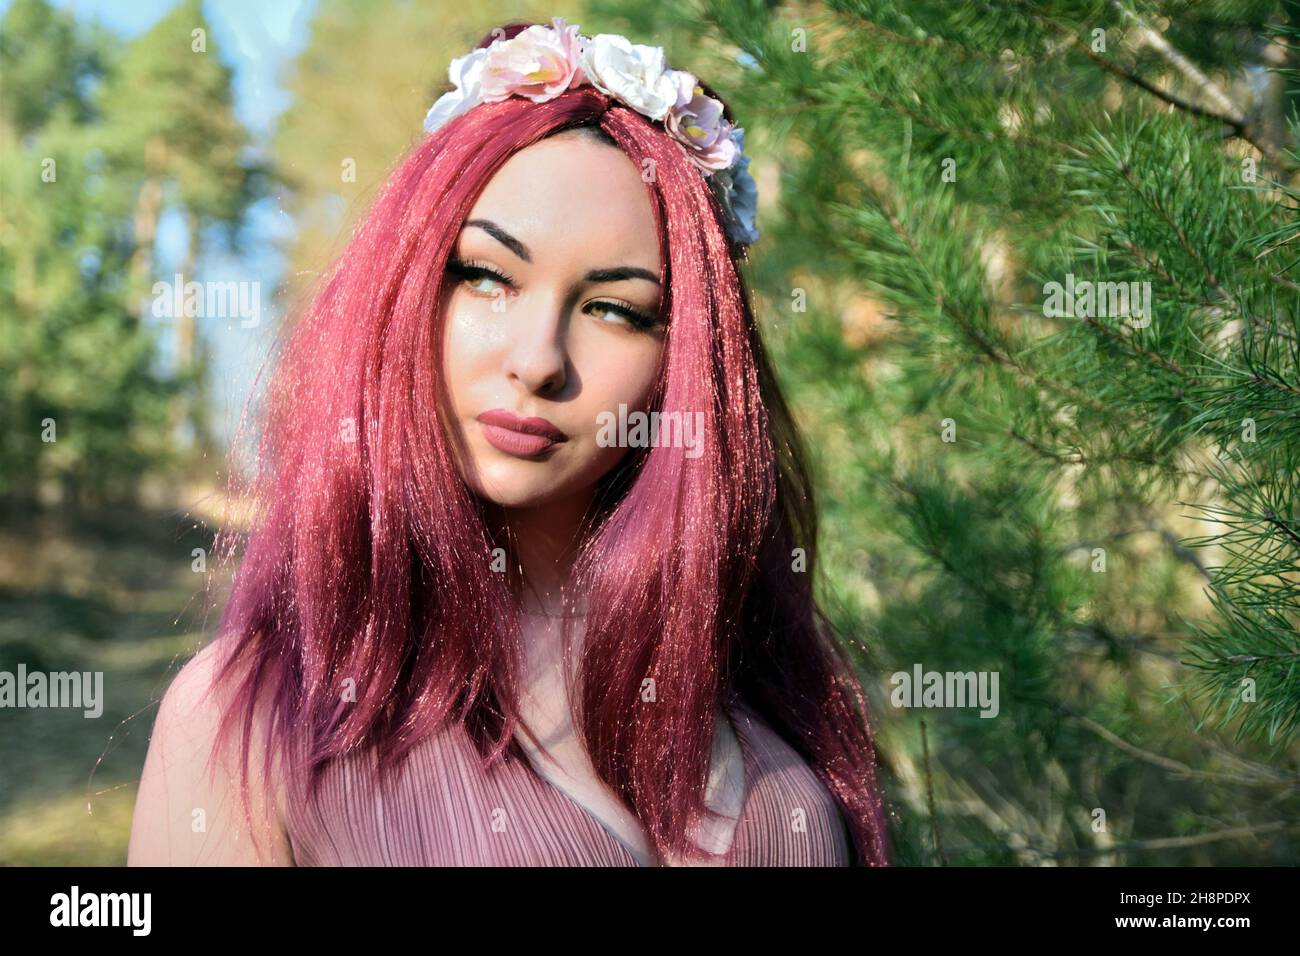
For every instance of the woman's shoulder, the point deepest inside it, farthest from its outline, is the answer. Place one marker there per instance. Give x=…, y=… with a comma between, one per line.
x=792, y=812
x=768, y=748
x=194, y=691
x=201, y=701
x=189, y=806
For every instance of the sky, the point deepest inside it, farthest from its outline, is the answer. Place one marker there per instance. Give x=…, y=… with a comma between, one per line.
x=254, y=37
x=258, y=40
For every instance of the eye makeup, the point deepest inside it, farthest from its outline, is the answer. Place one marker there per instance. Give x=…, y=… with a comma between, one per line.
x=471, y=271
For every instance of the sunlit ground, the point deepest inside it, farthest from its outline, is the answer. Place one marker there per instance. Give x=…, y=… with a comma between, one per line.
x=117, y=595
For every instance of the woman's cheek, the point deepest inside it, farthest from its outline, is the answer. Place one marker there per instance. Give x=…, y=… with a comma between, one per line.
x=472, y=329
x=472, y=348
x=618, y=367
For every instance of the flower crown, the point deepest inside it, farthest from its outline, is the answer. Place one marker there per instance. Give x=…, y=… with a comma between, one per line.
x=540, y=63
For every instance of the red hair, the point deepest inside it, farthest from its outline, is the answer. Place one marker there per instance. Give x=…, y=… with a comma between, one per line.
x=371, y=558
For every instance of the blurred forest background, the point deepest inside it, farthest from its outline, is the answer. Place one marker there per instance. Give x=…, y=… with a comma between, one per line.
x=1102, y=510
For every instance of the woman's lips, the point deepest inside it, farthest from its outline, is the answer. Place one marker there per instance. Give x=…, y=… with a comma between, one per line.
x=523, y=437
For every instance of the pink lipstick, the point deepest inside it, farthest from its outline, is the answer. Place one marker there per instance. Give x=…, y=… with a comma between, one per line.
x=522, y=437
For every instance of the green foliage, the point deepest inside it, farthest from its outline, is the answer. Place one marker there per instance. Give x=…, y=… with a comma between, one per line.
x=43, y=62
x=99, y=139
x=369, y=73
x=1113, y=526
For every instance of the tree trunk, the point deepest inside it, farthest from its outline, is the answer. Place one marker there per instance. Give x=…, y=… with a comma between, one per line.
x=148, y=209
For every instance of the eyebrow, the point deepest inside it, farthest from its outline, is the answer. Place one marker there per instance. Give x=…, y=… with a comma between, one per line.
x=615, y=274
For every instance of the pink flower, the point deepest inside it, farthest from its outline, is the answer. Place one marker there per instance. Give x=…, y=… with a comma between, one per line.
x=697, y=122
x=539, y=63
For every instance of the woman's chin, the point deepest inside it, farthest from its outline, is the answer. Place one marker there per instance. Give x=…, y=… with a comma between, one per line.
x=511, y=486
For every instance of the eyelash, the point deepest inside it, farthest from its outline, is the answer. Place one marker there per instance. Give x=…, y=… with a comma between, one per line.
x=469, y=271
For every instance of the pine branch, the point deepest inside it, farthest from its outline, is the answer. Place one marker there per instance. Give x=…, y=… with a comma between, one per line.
x=984, y=137
x=1176, y=767
x=929, y=793
x=1167, y=843
x=1156, y=204
x=1224, y=110
x=982, y=342
x=1157, y=42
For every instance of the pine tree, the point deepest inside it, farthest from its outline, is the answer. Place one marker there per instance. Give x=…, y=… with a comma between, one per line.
x=361, y=88
x=97, y=139
x=80, y=402
x=1027, y=269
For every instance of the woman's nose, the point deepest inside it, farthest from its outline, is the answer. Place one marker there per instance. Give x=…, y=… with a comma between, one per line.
x=537, y=357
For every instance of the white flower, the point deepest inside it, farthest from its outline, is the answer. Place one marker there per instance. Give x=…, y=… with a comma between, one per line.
x=630, y=72
x=540, y=63
x=685, y=83
x=466, y=72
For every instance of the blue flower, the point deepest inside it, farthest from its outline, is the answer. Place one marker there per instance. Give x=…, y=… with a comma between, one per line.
x=739, y=194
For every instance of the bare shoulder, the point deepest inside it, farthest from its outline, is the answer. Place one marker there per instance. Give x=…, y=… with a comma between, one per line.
x=189, y=809
x=191, y=692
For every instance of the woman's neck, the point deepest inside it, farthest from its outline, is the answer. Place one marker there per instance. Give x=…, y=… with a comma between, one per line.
x=545, y=540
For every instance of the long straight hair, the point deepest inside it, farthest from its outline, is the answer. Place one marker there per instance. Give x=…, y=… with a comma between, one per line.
x=366, y=614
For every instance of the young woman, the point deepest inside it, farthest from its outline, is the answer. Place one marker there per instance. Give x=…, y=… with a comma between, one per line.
x=532, y=579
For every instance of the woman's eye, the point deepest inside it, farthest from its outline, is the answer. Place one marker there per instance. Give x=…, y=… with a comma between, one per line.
x=622, y=315
x=481, y=284
x=480, y=280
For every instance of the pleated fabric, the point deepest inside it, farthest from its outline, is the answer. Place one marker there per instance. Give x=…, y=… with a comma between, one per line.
x=443, y=808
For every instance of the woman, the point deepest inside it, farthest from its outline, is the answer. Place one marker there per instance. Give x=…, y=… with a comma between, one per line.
x=532, y=581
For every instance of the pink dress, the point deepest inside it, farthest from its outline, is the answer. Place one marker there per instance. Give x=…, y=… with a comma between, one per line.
x=443, y=809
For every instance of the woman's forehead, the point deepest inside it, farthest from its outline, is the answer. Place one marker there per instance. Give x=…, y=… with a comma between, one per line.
x=570, y=194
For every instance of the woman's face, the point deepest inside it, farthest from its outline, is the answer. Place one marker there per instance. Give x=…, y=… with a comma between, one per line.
x=551, y=319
